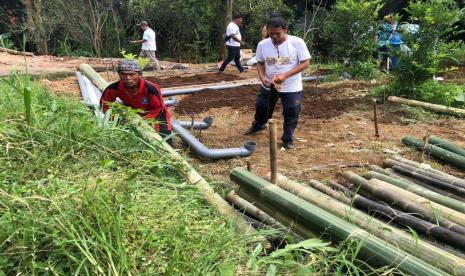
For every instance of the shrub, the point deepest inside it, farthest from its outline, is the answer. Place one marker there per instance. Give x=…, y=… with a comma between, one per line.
x=350, y=31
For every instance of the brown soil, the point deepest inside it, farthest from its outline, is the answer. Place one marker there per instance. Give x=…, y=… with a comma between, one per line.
x=192, y=79
x=335, y=131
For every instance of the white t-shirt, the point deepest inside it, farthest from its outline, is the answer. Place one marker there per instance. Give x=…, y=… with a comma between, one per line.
x=282, y=59
x=150, y=44
x=233, y=29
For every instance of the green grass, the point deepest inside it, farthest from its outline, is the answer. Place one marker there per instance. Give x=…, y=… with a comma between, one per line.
x=83, y=197
x=78, y=198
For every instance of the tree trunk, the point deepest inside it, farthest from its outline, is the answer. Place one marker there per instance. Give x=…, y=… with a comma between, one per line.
x=34, y=24
x=224, y=17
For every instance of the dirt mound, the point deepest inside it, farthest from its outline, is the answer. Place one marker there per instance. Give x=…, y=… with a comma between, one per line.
x=319, y=102
x=192, y=79
x=236, y=98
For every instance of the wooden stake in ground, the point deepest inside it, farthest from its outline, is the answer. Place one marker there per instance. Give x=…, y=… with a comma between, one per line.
x=273, y=151
x=249, y=167
x=426, y=141
x=317, y=76
x=192, y=121
x=375, y=117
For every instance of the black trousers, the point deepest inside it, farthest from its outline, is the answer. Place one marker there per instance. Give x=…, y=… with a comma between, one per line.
x=234, y=53
x=264, y=108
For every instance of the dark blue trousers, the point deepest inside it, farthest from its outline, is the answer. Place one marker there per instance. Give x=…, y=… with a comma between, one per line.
x=264, y=107
x=234, y=53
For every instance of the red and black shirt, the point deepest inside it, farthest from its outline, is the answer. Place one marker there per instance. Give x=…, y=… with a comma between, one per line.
x=148, y=98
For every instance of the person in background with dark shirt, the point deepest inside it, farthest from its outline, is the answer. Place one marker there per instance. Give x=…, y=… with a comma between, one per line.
x=139, y=94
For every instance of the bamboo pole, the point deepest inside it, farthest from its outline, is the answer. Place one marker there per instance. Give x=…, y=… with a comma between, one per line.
x=434, y=107
x=423, y=227
x=441, y=199
x=93, y=76
x=375, y=117
x=438, y=183
x=432, y=178
x=447, y=145
x=273, y=151
x=433, y=188
x=148, y=134
x=450, y=178
x=412, y=203
x=252, y=210
x=437, y=152
x=372, y=249
x=341, y=188
x=441, y=177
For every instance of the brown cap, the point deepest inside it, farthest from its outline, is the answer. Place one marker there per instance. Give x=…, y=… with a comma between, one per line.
x=143, y=23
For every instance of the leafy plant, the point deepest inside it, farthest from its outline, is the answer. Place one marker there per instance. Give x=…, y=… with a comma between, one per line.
x=141, y=60
x=5, y=41
x=350, y=30
x=366, y=70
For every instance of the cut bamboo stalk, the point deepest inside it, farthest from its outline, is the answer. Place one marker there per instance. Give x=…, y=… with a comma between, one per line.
x=441, y=199
x=321, y=221
x=253, y=211
x=423, y=227
x=438, y=183
x=448, y=179
x=437, y=152
x=447, y=145
x=410, y=202
x=273, y=151
x=317, y=186
x=433, y=107
x=341, y=188
x=93, y=76
x=147, y=133
x=276, y=214
x=423, y=166
x=405, y=178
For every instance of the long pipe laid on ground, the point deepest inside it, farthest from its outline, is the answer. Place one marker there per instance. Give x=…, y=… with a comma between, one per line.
x=82, y=87
x=202, y=150
x=204, y=124
x=190, y=90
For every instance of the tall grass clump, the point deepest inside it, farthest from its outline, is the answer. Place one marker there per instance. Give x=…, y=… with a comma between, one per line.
x=76, y=198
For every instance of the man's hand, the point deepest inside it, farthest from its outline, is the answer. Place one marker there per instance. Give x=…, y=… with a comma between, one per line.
x=134, y=41
x=265, y=82
x=279, y=79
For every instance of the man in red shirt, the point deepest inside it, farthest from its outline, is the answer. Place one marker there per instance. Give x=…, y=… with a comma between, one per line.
x=139, y=94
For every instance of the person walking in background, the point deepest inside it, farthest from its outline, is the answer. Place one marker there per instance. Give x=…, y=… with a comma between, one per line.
x=233, y=41
x=149, y=45
x=281, y=59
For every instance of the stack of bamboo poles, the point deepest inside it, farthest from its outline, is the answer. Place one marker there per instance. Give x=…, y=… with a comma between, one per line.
x=429, y=206
x=440, y=149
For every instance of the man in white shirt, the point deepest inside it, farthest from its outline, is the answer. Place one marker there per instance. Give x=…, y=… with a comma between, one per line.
x=149, y=45
x=281, y=59
x=233, y=41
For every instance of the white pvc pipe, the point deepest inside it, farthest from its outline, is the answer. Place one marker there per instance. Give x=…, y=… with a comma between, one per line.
x=215, y=86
